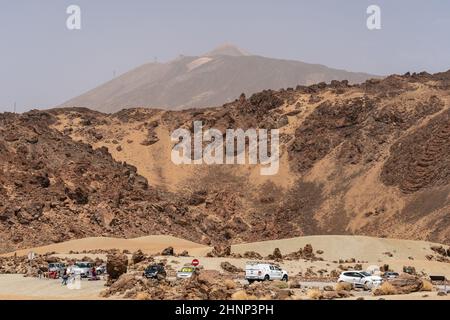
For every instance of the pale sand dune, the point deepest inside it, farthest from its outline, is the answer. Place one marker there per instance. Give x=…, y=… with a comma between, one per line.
x=337, y=247
x=149, y=244
x=368, y=249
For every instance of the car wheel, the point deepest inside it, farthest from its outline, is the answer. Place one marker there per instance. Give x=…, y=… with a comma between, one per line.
x=285, y=278
x=367, y=285
x=250, y=281
x=266, y=277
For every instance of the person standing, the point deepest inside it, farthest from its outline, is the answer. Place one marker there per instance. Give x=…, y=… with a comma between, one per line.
x=65, y=277
x=94, y=273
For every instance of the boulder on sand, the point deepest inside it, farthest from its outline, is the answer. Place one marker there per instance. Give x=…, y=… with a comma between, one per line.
x=276, y=255
x=220, y=251
x=185, y=253
x=402, y=285
x=252, y=255
x=407, y=284
x=167, y=251
x=138, y=256
x=229, y=267
x=439, y=250
x=116, y=265
x=308, y=252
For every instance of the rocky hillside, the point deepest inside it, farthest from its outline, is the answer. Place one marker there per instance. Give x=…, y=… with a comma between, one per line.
x=204, y=81
x=53, y=188
x=370, y=159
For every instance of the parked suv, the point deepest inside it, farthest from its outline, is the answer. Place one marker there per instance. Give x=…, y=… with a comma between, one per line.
x=155, y=271
x=360, y=279
x=264, y=272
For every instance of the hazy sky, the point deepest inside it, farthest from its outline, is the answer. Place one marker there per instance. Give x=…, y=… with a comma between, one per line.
x=43, y=63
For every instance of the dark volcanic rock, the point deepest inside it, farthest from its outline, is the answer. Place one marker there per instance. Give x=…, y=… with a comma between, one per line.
x=116, y=265
x=167, y=252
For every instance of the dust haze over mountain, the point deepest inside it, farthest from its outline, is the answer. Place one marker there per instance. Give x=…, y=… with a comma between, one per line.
x=212, y=79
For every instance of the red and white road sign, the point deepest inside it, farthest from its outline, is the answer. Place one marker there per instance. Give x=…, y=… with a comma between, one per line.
x=195, y=262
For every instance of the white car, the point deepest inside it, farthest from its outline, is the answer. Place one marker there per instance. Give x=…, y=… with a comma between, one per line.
x=360, y=279
x=101, y=269
x=264, y=272
x=82, y=269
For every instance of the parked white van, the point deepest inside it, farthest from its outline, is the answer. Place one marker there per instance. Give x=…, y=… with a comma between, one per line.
x=256, y=271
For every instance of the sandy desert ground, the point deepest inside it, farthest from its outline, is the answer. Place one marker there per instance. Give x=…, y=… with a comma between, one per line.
x=150, y=244
x=369, y=251
x=18, y=287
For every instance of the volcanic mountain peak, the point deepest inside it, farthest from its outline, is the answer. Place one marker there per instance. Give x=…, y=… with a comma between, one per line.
x=209, y=80
x=227, y=49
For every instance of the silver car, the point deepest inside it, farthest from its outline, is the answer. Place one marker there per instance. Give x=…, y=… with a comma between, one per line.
x=82, y=269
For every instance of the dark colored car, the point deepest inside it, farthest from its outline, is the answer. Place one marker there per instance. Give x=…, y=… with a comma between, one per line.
x=155, y=271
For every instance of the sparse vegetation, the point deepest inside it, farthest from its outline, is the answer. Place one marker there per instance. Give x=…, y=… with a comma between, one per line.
x=427, y=285
x=143, y=296
x=280, y=284
x=314, y=294
x=230, y=284
x=385, y=289
x=343, y=286
x=242, y=295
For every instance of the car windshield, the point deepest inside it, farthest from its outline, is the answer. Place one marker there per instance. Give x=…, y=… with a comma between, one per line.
x=55, y=265
x=187, y=269
x=365, y=274
x=85, y=265
x=153, y=268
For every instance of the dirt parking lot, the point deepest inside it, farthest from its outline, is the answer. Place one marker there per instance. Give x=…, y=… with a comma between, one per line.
x=16, y=286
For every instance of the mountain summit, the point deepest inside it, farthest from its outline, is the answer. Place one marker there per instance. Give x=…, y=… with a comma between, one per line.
x=227, y=49
x=212, y=79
